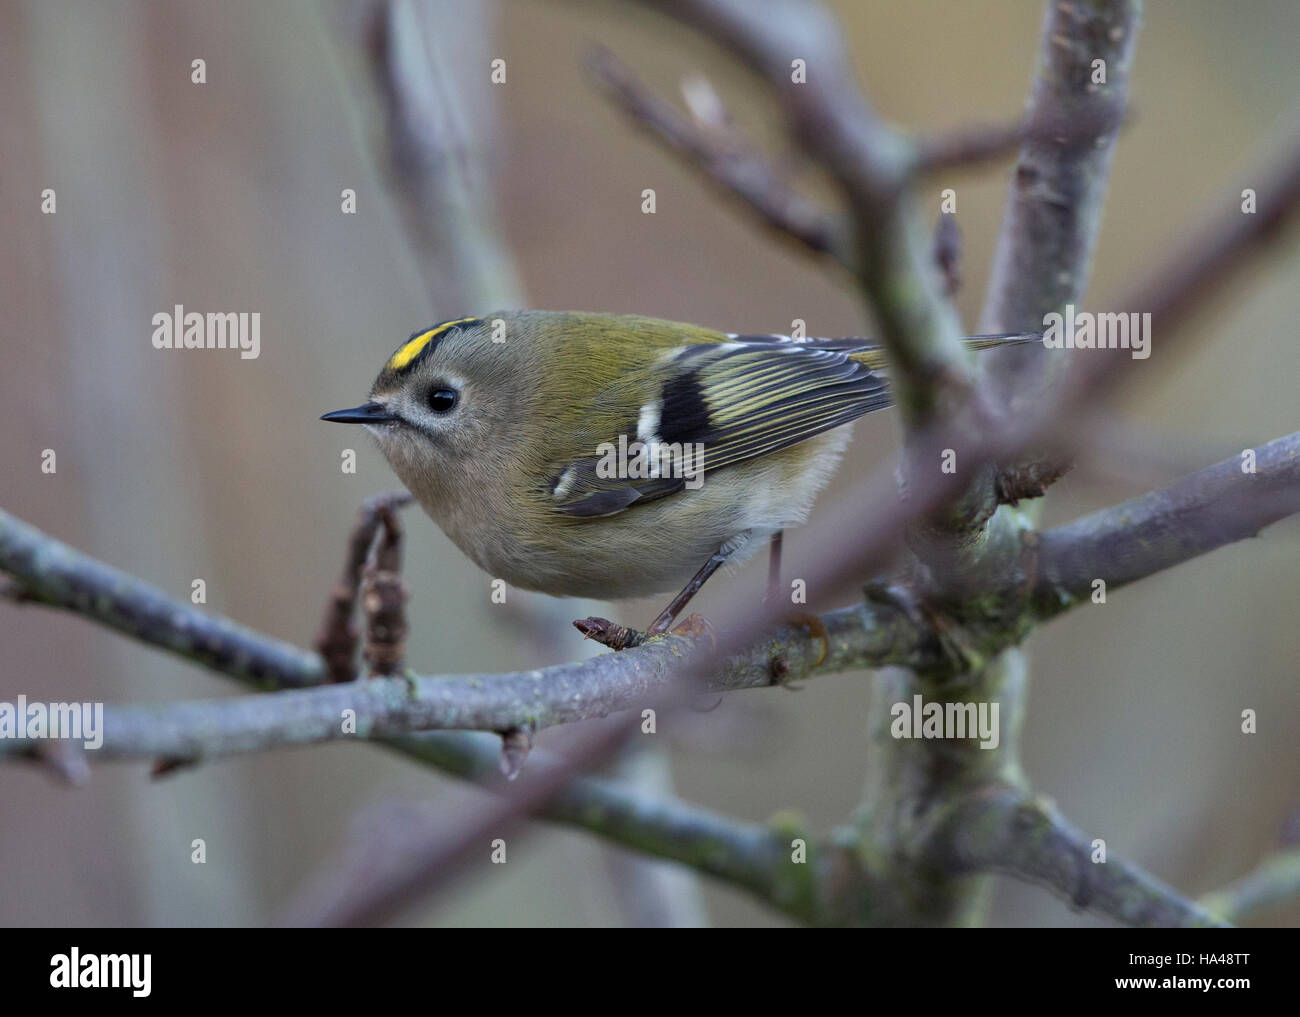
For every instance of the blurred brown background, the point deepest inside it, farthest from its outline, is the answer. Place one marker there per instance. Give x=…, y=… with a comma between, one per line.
x=225, y=196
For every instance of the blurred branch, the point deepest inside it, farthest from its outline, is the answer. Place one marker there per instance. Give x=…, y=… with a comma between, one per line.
x=1275, y=883
x=396, y=859
x=874, y=167
x=947, y=252
x=424, y=120
x=723, y=156
x=1046, y=125
x=1211, y=257
x=747, y=855
x=406, y=65
x=871, y=164
x=1053, y=213
x=1009, y=831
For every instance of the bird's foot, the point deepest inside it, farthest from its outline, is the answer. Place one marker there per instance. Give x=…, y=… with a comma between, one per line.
x=611, y=634
x=816, y=629
x=697, y=625
x=620, y=637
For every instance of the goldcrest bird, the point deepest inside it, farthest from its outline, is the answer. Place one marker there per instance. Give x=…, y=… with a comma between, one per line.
x=612, y=456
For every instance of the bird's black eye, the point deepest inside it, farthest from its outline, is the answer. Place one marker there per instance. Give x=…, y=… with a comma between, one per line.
x=443, y=400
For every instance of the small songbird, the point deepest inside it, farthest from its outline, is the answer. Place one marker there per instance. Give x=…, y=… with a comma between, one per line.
x=612, y=456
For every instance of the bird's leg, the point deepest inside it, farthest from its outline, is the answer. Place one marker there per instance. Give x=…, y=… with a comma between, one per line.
x=774, y=567
x=618, y=637
x=719, y=558
x=666, y=616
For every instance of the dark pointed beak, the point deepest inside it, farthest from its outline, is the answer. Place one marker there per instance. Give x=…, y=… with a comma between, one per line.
x=370, y=413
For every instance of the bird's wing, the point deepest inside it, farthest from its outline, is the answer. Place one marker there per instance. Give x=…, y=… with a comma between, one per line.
x=731, y=401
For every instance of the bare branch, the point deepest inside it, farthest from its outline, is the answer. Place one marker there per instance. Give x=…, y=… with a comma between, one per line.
x=871, y=164
x=1053, y=217
x=425, y=852
x=1009, y=831
x=724, y=158
x=1047, y=125
x=1049, y=231
x=1212, y=507
x=1274, y=884
x=428, y=135
x=746, y=855
x=383, y=707
x=1120, y=545
x=1202, y=266
x=54, y=574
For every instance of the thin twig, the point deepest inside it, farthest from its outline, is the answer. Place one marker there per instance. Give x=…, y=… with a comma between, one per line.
x=1045, y=126
x=724, y=157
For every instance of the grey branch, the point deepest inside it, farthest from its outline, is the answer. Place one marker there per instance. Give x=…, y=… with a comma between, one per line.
x=1047, y=125
x=1276, y=883
x=748, y=855
x=872, y=165
x=54, y=574
x=396, y=859
x=1121, y=544
x=725, y=159
x=1053, y=212
x=644, y=677
x=1212, y=507
x=867, y=635
x=1007, y=830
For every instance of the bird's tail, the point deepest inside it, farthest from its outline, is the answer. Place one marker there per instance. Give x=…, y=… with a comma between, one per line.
x=874, y=357
x=990, y=342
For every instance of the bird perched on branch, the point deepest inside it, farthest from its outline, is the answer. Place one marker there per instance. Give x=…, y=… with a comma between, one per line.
x=612, y=456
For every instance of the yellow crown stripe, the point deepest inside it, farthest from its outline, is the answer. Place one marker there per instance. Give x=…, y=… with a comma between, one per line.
x=412, y=348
